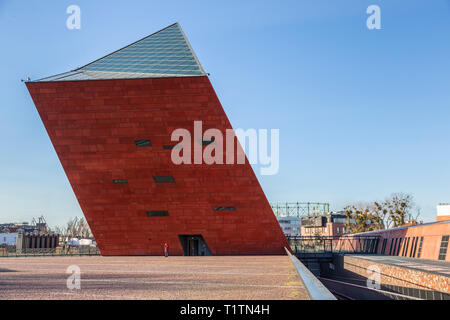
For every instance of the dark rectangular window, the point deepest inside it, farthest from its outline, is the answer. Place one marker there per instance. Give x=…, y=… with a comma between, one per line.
x=120, y=181
x=390, y=247
x=206, y=142
x=364, y=245
x=413, y=242
x=383, y=247
x=163, y=179
x=405, y=252
x=394, y=246
x=157, y=213
x=412, y=246
x=375, y=246
x=224, y=208
x=398, y=246
x=420, y=247
x=443, y=249
x=415, y=247
x=170, y=147
x=143, y=143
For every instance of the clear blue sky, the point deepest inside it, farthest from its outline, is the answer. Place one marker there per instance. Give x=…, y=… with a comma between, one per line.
x=361, y=113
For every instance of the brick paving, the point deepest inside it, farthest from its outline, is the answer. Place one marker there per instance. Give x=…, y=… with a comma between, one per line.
x=150, y=278
x=429, y=266
x=405, y=272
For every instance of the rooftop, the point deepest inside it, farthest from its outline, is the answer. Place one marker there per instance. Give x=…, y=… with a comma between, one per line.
x=166, y=53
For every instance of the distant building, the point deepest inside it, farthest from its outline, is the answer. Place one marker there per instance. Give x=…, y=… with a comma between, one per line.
x=29, y=241
x=327, y=225
x=291, y=226
x=8, y=239
x=37, y=226
x=443, y=212
x=330, y=224
x=18, y=227
x=81, y=242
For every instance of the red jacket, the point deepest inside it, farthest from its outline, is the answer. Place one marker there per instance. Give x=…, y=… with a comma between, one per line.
x=166, y=247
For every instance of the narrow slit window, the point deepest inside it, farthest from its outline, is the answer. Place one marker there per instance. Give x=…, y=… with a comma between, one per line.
x=415, y=247
x=120, y=181
x=157, y=213
x=398, y=247
x=143, y=143
x=206, y=142
x=404, y=247
x=383, y=247
x=163, y=179
x=443, y=248
x=420, y=247
x=394, y=246
x=407, y=246
x=412, y=246
x=171, y=147
x=224, y=208
x=390, y=247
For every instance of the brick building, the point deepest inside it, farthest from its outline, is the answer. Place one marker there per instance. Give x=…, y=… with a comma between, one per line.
x=330, y=224
x=111, y=122
x=425, y=241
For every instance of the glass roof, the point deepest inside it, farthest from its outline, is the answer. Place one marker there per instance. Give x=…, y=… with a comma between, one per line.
x=166, y=53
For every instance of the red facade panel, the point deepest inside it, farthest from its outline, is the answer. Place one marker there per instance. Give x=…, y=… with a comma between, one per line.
x=93, y=126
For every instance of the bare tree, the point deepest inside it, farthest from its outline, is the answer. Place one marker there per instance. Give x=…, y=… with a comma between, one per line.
x=392, y=212
x=75, y=228
x=362, y=217
x=396, y=209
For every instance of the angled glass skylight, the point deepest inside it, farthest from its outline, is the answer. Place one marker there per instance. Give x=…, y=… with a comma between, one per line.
x=166, y=53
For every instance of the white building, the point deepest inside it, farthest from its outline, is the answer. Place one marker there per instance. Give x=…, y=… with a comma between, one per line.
x=443, y=211
x=291, y=226
x=9, y=239
x=75, y=242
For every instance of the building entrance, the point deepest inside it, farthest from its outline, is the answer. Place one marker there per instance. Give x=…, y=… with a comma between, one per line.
x=194, y=245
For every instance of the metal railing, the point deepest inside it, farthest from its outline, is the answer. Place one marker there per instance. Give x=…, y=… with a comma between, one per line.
x=316, y=289
x=11, y=251
x=334, y=244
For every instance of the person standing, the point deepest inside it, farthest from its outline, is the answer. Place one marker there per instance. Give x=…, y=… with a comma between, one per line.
x=166, y=250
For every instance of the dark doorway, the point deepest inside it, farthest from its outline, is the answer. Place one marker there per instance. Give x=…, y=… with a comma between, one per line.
x=194, y=245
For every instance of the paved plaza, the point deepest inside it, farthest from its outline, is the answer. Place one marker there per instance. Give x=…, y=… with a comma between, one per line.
x=152, y=278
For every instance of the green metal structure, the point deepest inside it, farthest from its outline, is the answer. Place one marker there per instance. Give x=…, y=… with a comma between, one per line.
x=299, y=209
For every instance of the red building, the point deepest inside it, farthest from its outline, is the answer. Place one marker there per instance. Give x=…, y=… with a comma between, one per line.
x=422, y=241
x=425, y=240
x=111, y=122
